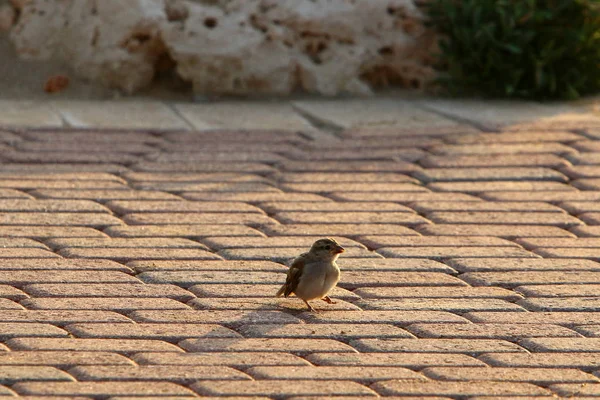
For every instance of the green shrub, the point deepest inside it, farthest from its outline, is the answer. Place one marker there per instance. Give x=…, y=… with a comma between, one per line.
x=537, y=49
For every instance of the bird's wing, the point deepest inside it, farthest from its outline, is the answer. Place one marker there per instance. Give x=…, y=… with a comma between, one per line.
x=294, y=274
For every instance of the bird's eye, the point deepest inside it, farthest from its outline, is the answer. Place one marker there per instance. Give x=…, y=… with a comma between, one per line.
x=328, y=247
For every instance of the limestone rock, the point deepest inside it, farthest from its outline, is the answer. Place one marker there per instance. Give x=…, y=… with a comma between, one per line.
x=233, y=46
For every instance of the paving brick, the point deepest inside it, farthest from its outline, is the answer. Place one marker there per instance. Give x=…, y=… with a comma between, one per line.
x=324, y=331
x=538, y=376
x=587, y=231
x=584, y=158
x=333, y=206
x=488, y=174
x=562, y=304
x=246, y=135
x=401, y=218
x=439, y=304
x=361, y=154
x=519, y=278
x=404, y=388
x=356, y=279
x=583, y=361
x=500, y=186
x=203, y=167
x=227, y=242
x=499, y=230
x=543, y=195
x=494, y=160
x=592, y=146
x=512, y=218
x=43, y=232
x=502, y=148
x=29, y=329
x=231, y=359
x=4, y=391
x=102, y=136
x=448, y=292
x=107, y=290
x=122, y=346
x=43, y=168
x=62, y=317
x=207, y=265
x=12, y=293
x=376, y=242
x=350, y=230
x=426, y=207
x=14, y=194
x=466, y=346
x=562, y=345
x=224, y=317
x=402, y=197
x=186, y=231
x=86, y=146
x=289, y=345
x=253, y=197
x=157, y=206
x=103, y=195
x=125, y=254
x=516, y=137
x=576, y=290
x=576, y=389
x=348, y=166
x=10, y=375
x=522, y=264
x=197, y=218
x=192, y=177
x=402, y=318
x=589, y=330
x=338, y=177
x=52, y=206
x=353, y=187
x=253, y=303
x=24, y=277
x=102, y=303
x=26, y=253
x=569, y=318
x=509, y=332
x=280, y=387
x=189, y=278
x=172, y=332
x=359, y=374
x=253, y=292
x=67, y=157
x=21, y=243
x=406, y=360
x=287, y=254
x=592, y=218
x=103, y=389
x=6, y=304
x=117, y=243
x=60, y=219
x=442, y=253
x=581, y=171
x=179, y=374
x=574, y=244
x=61, y=359
x=580, y=207
x=241, y=187
x=26, y=183
x=391, y=264
x=219, y=156
x=61, y=264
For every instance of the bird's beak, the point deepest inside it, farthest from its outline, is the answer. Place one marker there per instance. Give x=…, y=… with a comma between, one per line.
x=339, y=249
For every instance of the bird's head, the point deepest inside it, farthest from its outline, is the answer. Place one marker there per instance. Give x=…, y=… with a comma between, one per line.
x=327, y=248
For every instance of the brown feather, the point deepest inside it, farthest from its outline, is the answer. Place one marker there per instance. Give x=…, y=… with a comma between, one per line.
x=293, y=276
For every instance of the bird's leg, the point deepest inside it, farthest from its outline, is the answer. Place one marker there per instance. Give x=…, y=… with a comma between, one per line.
x=326, y=299
x=309, y=306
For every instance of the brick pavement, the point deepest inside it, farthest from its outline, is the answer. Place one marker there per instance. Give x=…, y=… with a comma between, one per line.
x=142, y=263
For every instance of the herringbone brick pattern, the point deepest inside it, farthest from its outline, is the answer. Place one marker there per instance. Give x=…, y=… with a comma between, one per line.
x=144, y=263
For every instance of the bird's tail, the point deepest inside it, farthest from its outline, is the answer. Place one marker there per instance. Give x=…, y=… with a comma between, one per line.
x=281, y=291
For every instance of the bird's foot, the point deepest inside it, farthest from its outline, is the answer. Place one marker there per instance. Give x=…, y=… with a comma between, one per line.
x=327, y=300
x=310, y=308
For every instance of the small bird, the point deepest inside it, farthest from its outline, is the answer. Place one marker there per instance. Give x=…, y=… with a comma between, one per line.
x=313, y=274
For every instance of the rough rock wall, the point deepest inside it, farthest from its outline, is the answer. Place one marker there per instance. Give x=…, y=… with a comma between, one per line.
x=232, y=46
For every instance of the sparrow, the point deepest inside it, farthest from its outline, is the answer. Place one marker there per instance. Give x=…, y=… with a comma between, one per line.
x=312, y=275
